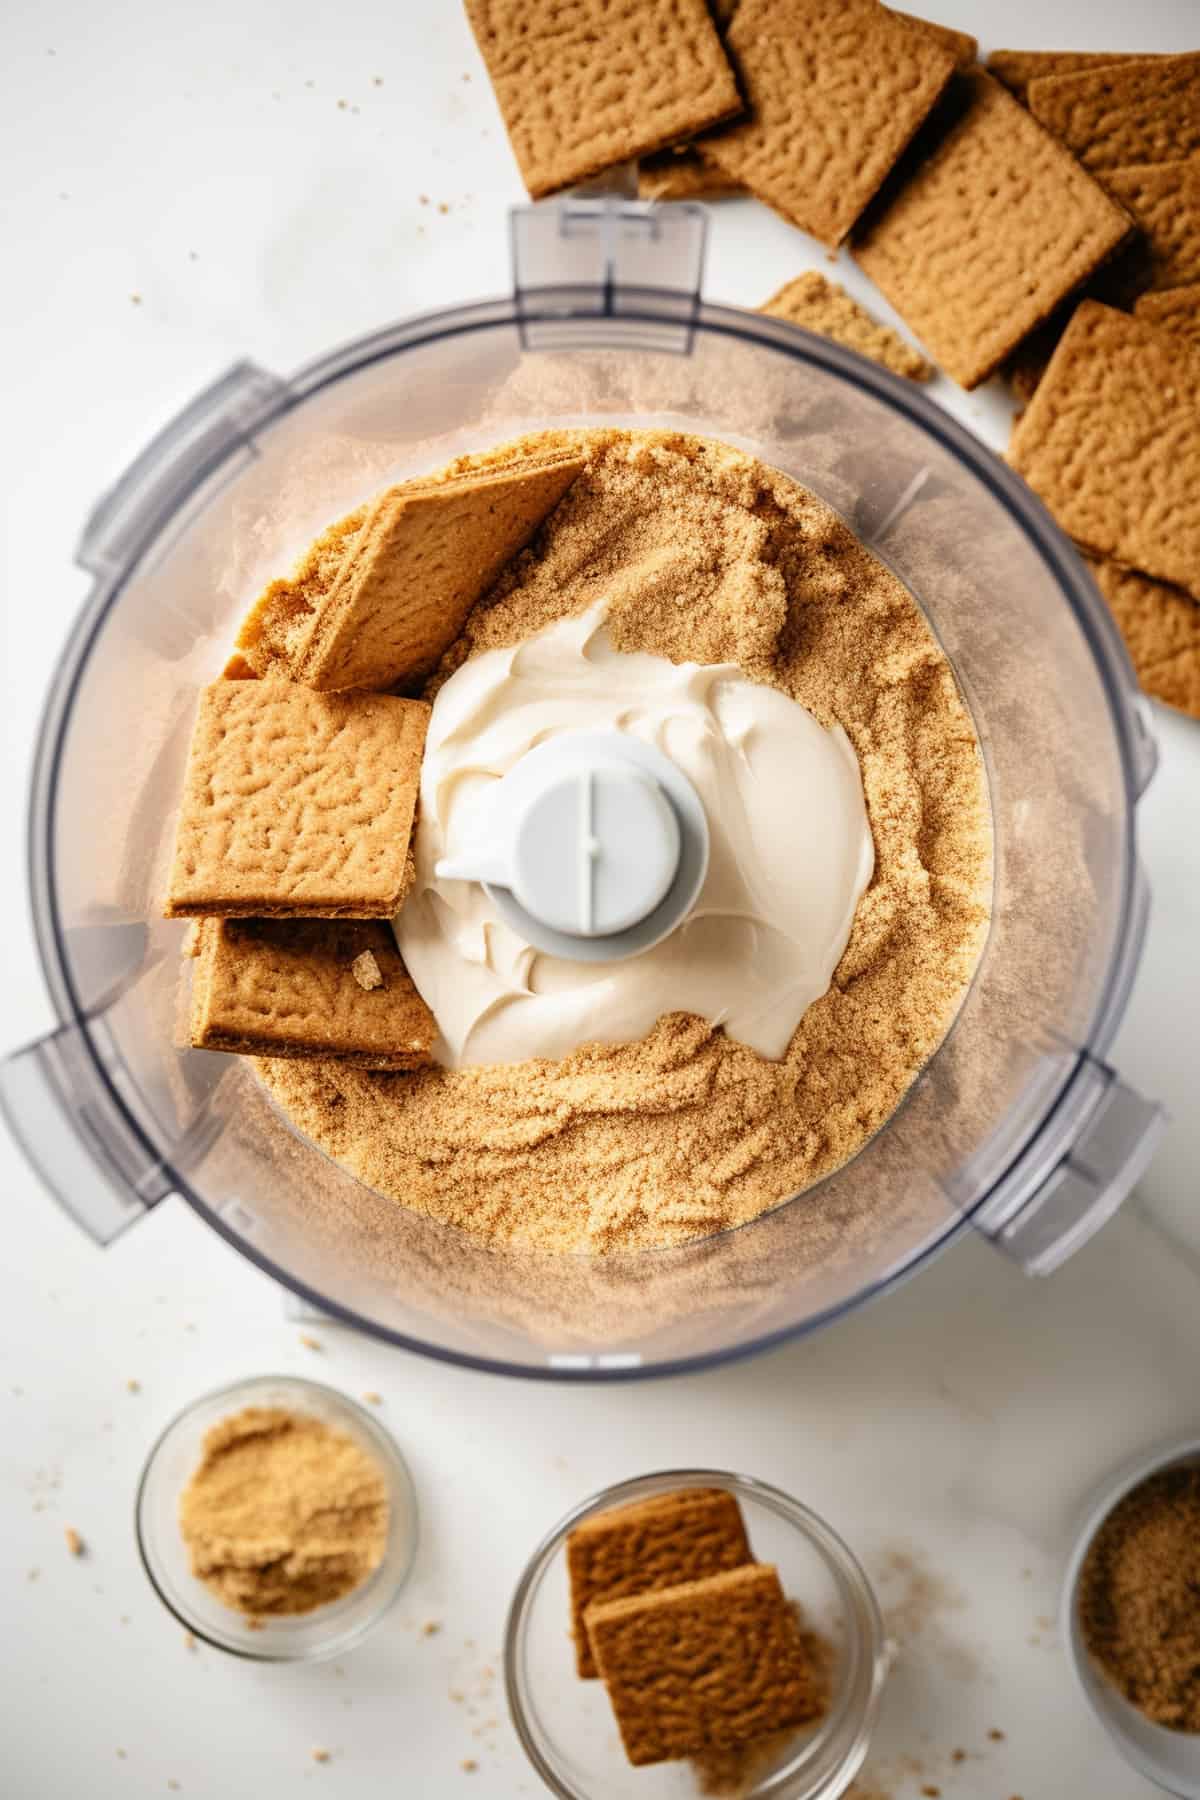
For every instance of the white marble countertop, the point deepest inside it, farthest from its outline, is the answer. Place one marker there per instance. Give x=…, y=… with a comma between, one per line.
x=200, y=160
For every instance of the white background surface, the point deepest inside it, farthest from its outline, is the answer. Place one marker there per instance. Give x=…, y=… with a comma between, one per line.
x=199, y=159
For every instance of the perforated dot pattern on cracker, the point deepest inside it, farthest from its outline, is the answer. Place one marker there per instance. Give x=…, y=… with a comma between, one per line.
x=657, y=1543
x=1110, y=443
x=836, y=89
x=989, y=234
x=296, y=804
x=703, y=1666
x=290, y=988
x=584, y=84
x=1131, y=112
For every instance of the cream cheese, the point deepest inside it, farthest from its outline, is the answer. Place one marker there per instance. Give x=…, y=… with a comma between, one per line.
x=790, y=852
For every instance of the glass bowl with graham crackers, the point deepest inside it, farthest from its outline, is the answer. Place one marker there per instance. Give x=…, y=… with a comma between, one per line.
x=694, y=1632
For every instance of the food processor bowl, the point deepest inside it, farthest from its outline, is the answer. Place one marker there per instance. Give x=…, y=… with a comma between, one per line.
x=1017, y=1126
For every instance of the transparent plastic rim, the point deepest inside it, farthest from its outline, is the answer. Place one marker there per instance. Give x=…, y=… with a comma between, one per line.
x=827, y=1762
x=1010, y=493
x=385, y=1588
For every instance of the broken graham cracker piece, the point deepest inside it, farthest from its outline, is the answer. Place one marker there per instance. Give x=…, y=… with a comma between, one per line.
x=1126, y=113
x=1161, y=628
x=703, y=1666
x=1174, y=309
x=817, y=303
x=290, y=988
x=421, y=560
x=279, y=617
x=684, y=173
x=366, y=971
x=988, y=235
x=1110, y=443
x=592, y=84
x=1019, y=69
x=1163, y=200
x=296, y=804
x=654, y=1543
x=836, y=90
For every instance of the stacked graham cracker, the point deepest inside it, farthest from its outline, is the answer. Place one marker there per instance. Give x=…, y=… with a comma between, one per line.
x=1015, y=216
x=695, y=1642
x=293, y=850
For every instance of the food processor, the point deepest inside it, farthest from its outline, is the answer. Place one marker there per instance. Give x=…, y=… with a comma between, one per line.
x=1017, y=1127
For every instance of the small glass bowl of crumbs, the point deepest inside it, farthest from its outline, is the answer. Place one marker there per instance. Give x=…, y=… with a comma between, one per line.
x=276, y=1519
x=641, y=1627
x=1131, y=1614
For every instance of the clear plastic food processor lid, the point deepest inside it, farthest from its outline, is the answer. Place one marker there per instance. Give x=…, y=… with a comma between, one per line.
x=1017, y=1126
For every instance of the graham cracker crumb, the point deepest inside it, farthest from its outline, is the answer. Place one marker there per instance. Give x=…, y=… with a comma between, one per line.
x=685, y=1133
x=372, y=1398
x=283, y=1514
x=310, y=1342
x=366, y=971
x=189, y=1640
x=431, y=1627
x=997, y=1737
x=75, y=1543
x=134, y=1387
x=469, y=1765
x=320, y=1756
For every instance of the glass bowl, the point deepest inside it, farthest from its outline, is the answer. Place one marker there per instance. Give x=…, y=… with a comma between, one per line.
x=298, y=1637
x=1170, y=1759
x=566, y=1725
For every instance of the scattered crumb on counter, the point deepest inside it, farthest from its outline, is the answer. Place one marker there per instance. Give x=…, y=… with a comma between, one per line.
x=431, y=1627
x=310, y=1342
x=189, y=1640
x=320, y=1755
x=931, y=1792
x=469, y=1765
x=133, y=1385
x=74, y=1542
x=372, y=1398
x=33, y=1574
x=377, y=81
x=997, y=1737
x=958, y=1756
x=443, y=207
x=121, y=1754
x=136, y=299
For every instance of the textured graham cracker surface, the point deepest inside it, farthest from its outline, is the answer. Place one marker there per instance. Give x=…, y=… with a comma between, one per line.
x=1164, y=201
x=703, y=1666
x=296, y=804
x=836, y=88
x=584, y=84
x=822, y=305
x=1161, y=628
x=289, y=987
x=961, y=45
x=1019, y=69
x=417, y=566
x=1175, y=309
x=989, y=234
x=1132, y=112
x=1110, y=443
x=653, y=1544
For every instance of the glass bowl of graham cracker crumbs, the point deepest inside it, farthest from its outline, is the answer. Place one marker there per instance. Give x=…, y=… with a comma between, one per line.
x=276, y=1519
x=1131, y=1614
x=696, y=1539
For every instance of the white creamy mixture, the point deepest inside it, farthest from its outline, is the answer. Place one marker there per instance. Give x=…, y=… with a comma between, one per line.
x=790, y=853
